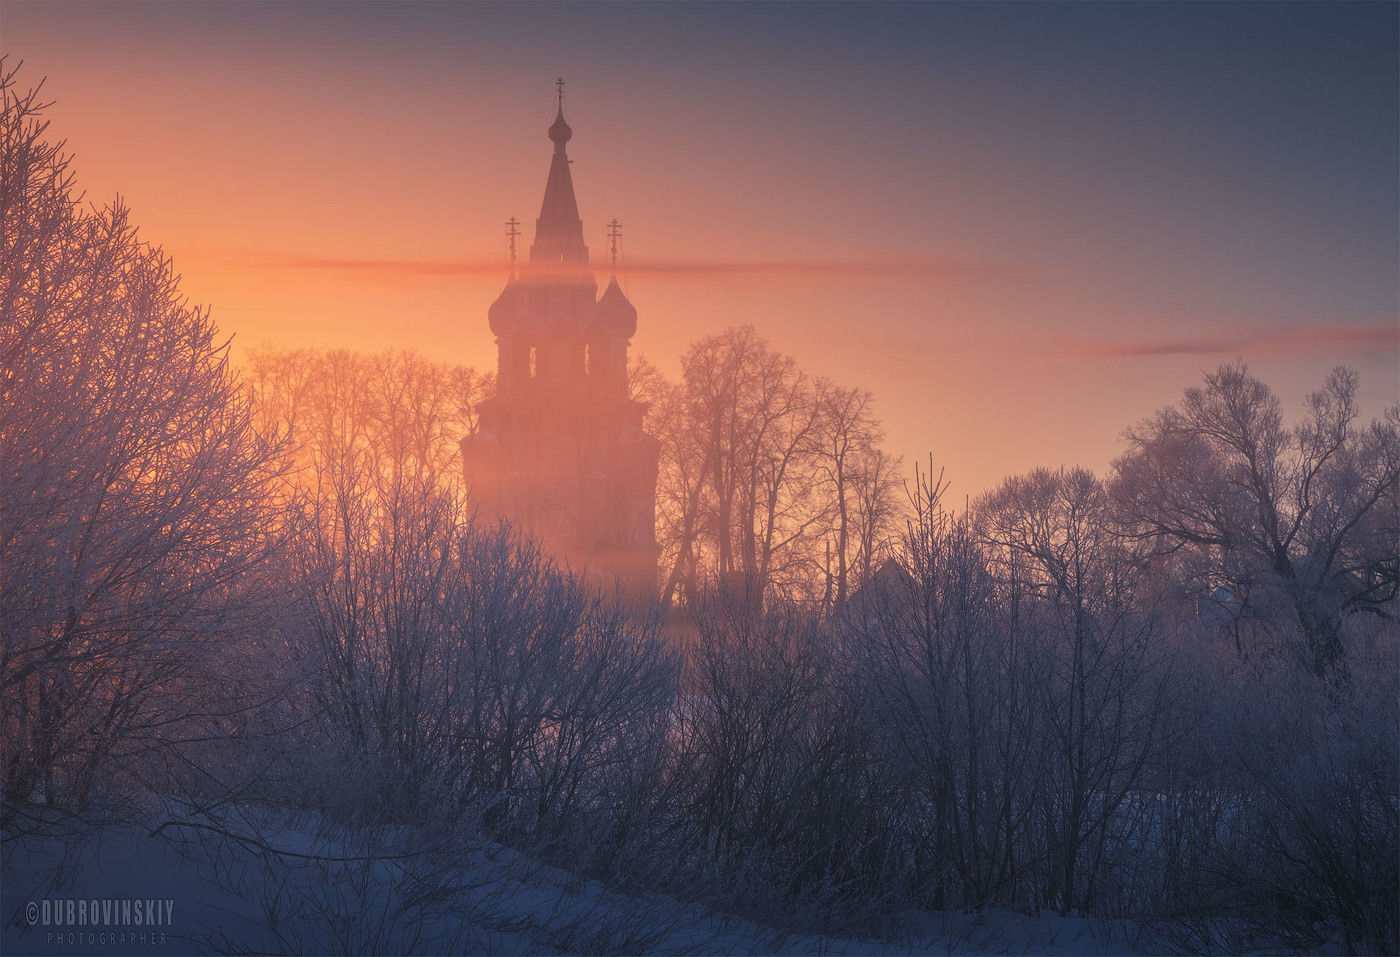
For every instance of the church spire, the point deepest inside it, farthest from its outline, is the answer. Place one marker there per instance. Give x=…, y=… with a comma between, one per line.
x=559, y=230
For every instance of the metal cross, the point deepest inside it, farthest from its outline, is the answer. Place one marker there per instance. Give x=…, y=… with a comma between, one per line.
x=559, y=88
x=512, y=232
x=614, y=231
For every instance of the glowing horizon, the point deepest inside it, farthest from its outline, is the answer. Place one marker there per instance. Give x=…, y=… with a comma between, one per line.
x=994, y=233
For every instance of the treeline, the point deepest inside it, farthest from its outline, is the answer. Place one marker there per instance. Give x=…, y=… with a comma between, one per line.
x=402, y=413
x=771, y=480
x=1170, y=694
x=1063, y=698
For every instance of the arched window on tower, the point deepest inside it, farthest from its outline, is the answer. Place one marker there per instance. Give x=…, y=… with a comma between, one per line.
x=587, y=359
x=533, y=370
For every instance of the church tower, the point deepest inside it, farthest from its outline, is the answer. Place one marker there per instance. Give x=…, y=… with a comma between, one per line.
x=560, y=450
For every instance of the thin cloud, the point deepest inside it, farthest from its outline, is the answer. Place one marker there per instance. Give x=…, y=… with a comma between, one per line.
x=856, y=269
x=935, y=269
x=1355, y=337
x=405, y=268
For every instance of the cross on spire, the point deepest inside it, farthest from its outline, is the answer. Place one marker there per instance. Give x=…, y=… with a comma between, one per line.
x=512, y=232
x=559, y=88
x=614, y=231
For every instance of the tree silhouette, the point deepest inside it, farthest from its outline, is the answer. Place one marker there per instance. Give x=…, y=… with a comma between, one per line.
x=132, y=489
x=1290, y=524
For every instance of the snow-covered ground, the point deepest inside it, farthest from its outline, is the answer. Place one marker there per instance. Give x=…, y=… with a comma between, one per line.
x=296, y=885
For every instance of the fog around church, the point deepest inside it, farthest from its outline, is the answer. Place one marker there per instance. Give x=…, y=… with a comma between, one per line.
x=926, y=480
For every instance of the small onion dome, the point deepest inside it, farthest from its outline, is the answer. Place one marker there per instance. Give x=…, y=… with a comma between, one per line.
x=505, y=309
x=617, y=316
x=560, y=132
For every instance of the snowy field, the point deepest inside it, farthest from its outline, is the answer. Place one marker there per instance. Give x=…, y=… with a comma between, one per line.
x=297, y=885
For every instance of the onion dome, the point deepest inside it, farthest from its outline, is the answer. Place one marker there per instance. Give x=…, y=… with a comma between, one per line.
x=560, y=132
x=617, y=316
x=505, y=309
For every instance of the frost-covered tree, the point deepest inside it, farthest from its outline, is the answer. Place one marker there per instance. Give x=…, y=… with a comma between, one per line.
x=772, y=481
x=405, y=412
x=1294, y=524
x=132, y=490
x=454, y=666
x=1100, y=675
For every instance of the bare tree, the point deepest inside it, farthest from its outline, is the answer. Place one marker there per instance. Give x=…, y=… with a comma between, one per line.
x=1299, y=523
x=753, y=408
x=857, y=480
x=776, y=782
x=952, y=702
x=878, y=512
x=406, y=413
x=458, y=668
x=682, y=497
x=769, y=478
x=133, y=490
x=1100, y=680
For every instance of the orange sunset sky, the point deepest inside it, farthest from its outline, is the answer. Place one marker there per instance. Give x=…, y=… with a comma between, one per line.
x=1024, y=227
